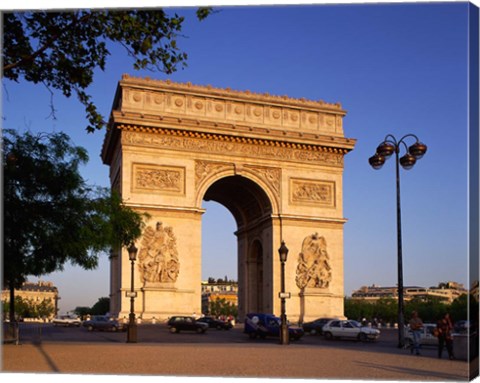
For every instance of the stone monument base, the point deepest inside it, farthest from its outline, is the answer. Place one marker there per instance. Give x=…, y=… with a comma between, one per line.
x=159, y=302
x=316, y=303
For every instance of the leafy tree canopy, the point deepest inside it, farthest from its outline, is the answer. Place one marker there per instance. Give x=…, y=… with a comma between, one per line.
x=101, y=307
x=51, y=215
x=62, y=49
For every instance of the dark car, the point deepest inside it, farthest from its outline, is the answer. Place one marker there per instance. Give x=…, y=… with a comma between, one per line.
x=215, y=323
x=264, y=325
x=462, y=326
x=186, y=323
x=104, y=323
x=315, y=326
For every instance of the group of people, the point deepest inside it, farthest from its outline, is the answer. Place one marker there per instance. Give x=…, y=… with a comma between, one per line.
x=443, y=332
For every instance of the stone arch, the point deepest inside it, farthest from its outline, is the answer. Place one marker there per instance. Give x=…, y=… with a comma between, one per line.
x=252, y=210
x=275, y=162
x=208, y=173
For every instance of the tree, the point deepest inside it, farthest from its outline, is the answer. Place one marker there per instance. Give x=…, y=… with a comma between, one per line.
x=101, y=307
x=358, y=309
x=51, y=215
x=221, y=306
x=460, y=307
x=29, y=308
x=62, y=49
x=82, y=311
x=430, y=309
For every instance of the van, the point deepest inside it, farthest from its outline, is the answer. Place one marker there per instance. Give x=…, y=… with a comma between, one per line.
x=263, y=325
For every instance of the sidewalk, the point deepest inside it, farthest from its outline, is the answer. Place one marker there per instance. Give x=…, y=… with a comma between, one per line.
x=233, y=360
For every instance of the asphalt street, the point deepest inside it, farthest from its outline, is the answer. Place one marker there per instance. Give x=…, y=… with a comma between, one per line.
x=47, y=349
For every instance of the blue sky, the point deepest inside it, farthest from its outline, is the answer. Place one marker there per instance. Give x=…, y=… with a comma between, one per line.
x=396, y=69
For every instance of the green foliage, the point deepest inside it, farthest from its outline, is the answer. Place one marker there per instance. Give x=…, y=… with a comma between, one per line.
x=62, y=49
x=82, y=311
x=430, y=310
x=460, y=307
x=101, y=307
x=29, y=308
x=220, y=306
x=53, y=215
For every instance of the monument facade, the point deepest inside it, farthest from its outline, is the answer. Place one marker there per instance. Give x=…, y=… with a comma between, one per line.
x=274, y=162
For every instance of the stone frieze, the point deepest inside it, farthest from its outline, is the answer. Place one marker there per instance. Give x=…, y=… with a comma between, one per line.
x=236, y=146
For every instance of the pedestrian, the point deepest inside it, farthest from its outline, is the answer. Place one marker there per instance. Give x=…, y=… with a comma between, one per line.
x=416, y=325
x=444, y=329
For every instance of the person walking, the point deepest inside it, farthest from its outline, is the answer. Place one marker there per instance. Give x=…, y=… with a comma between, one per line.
x=444, y=328
x=416, y=325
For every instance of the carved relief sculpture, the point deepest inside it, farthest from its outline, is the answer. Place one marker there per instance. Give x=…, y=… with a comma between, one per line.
x=313, y=268
x=271, y=176
x=158, y=257
x=158, y=178
x=312, y=192
x=204, y=169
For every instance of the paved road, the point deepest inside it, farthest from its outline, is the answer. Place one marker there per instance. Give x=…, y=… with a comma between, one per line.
x=48, y=349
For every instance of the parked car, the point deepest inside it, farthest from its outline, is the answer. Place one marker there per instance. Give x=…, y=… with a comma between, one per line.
x=263, y=325
x=426, y=336
x=186, y=323
x=67, y=320
x=349, y=329
x=316, y=326
x=462, y=326
x=104, y=323
x=215, y=323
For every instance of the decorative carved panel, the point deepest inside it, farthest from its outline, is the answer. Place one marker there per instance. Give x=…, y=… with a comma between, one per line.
x=158, y=257
x=271, y=176
x=313, y=269
x=204, y=169
x=156, y=178
x=312, y=192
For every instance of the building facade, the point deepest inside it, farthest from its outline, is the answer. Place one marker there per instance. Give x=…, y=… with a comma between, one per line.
x=35, y=293
x=445, y=292
x=212, y=291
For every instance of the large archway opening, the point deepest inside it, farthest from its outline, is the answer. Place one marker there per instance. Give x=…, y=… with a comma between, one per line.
x=251, y=210
x=219, y=243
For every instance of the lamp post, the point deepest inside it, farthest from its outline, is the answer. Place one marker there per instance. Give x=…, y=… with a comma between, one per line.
x=132, y=325
x=413, y=153
x=284, y=336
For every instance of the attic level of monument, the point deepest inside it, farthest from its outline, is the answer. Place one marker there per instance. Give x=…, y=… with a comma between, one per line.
x=203, y=112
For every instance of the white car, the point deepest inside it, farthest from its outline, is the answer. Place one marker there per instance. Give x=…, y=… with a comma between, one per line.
x=349, y=329
x=426, y=336
x=66, y=320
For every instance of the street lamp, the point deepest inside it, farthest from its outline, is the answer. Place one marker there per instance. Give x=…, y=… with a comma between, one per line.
x=413, y=153
x=284, y=337
x=132, y=325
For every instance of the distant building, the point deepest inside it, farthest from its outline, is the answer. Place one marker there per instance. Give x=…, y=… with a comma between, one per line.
x=446, y=292
x=212, y=291
x=36, y=292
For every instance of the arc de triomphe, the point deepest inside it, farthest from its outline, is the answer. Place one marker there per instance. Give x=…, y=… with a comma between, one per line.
x=274, y=162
